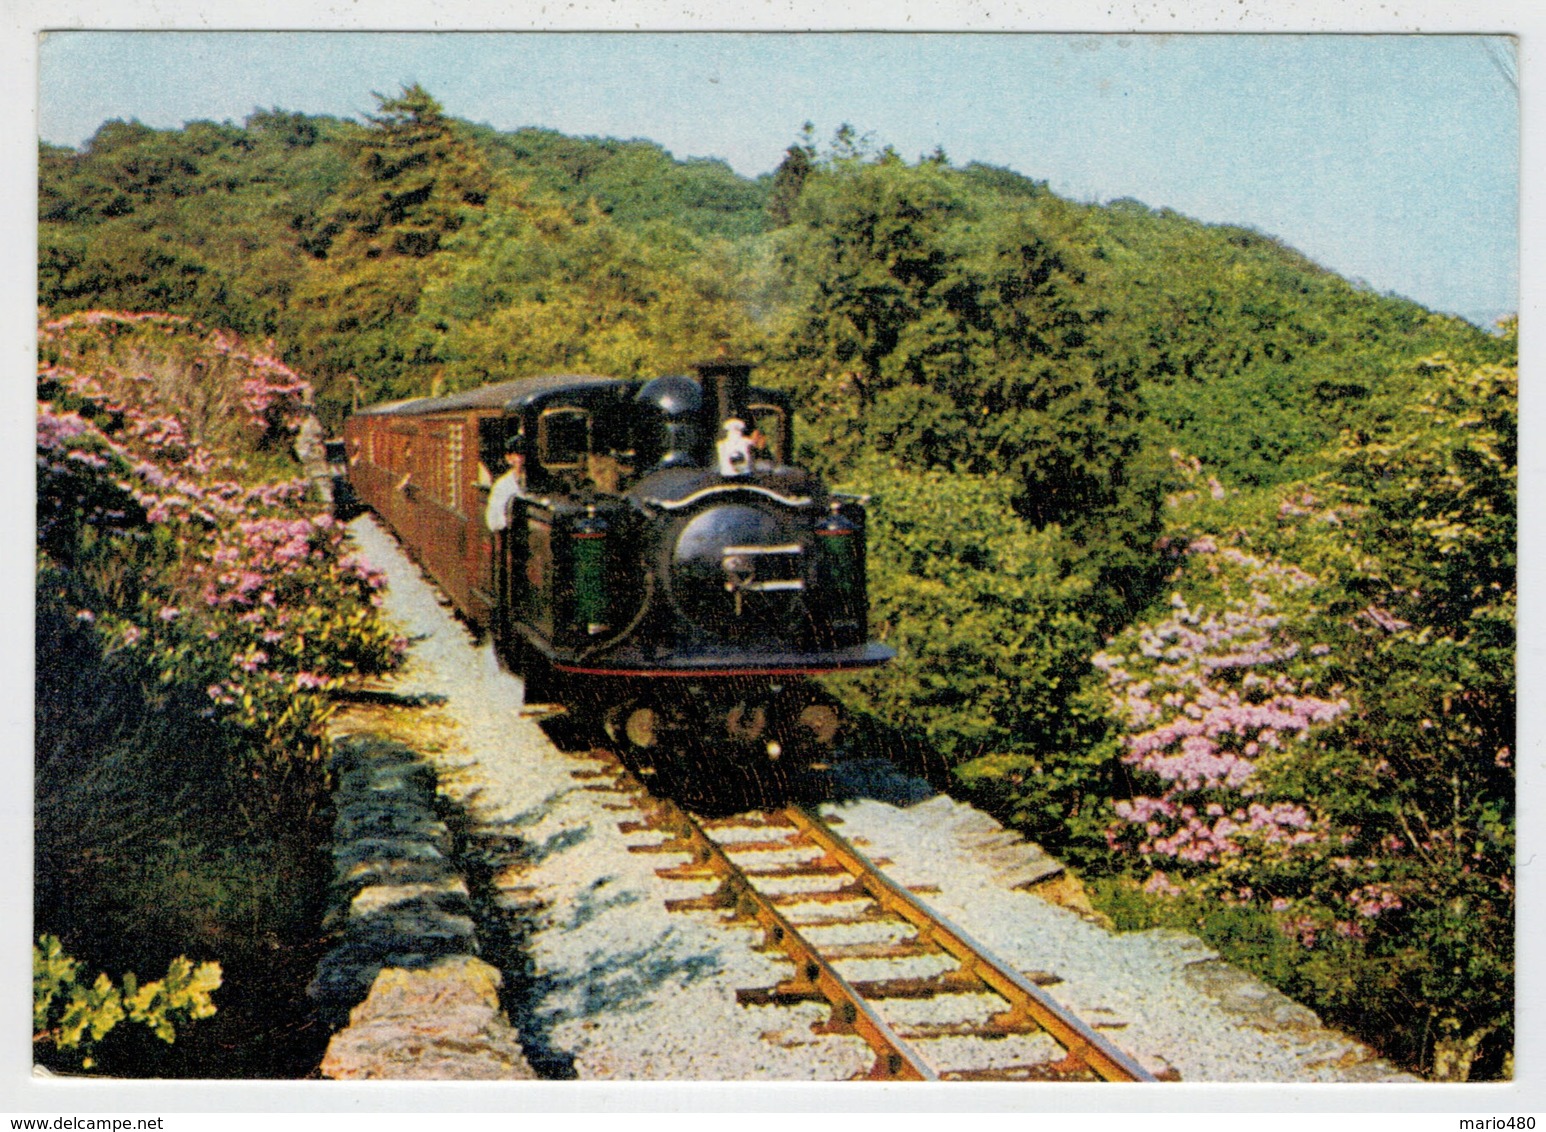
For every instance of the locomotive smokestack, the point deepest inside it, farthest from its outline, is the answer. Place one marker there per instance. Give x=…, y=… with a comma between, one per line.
x=726, y=389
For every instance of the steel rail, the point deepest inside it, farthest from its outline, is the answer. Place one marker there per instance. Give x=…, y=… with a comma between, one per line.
x=895, y=1060
x=1029, y=1007
x=1027, y=1001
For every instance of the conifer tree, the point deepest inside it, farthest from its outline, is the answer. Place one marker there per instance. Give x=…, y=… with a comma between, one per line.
x=415, y=177
x=788, y=179
x=415, y=180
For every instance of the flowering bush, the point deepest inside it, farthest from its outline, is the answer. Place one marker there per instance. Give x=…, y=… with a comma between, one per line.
x=170, y=551
x=227, y=397
x=1224, y=712
x=194, y=608
x=1205, y=695
x=1317, y=735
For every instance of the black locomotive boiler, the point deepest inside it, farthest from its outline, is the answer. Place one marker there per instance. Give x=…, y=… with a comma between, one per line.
x=659, y=555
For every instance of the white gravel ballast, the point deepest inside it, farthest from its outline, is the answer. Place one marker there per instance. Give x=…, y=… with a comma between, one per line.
x=603, y=981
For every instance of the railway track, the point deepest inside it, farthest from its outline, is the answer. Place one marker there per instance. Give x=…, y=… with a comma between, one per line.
x=929, y=1000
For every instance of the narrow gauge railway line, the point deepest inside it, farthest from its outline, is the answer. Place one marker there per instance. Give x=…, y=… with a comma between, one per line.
x=610, y=988
x=830, y=909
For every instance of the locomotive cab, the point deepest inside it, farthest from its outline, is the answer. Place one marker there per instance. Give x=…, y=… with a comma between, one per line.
x=575, y=443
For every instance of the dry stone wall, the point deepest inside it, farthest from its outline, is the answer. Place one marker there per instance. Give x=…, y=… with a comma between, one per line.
x=404, y=980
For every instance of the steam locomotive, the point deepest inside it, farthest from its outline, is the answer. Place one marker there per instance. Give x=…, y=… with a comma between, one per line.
x=657, y=554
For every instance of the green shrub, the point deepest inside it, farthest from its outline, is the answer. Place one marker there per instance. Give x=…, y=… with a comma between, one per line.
x=191, y=617
x=71, y=1014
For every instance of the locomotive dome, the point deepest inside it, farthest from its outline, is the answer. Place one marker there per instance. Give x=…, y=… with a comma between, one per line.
x=675, y=396
x=669, y=435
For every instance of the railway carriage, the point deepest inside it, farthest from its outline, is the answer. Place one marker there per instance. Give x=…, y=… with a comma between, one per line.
x=661, y=555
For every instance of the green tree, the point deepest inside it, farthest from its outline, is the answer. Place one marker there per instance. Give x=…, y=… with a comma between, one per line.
x=1248, y=355
x=538, y=286
x=415, y=180
x=925, y=318
x=416, y=175
x=991, y=619
x=788, y=179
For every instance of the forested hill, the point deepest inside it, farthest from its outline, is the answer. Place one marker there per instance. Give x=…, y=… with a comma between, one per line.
x=1198, y=559
x=391, y=252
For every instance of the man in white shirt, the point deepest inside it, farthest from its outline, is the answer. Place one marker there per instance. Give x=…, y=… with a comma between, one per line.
x=496, y=516
x=734, y=449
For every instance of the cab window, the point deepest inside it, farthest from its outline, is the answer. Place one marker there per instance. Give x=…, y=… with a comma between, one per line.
x=771, y=422
x=491, y=445
x=563, y=438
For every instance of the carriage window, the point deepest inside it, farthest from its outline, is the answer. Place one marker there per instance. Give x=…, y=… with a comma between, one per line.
x=491, y=448
x=563, y=438
x=454, y=466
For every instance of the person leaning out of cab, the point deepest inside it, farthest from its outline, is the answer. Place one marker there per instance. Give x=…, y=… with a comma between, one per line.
x=508, y=486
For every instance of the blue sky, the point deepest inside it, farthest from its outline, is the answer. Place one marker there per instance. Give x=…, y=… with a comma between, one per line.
x=1392, y=159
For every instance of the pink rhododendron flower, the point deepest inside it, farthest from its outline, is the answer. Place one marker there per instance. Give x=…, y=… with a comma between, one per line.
x=1207, y=692
x=256, y=565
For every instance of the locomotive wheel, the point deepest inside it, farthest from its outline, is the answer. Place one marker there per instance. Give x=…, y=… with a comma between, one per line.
x=642, y=727
x=821, y=721
x=634, y=723
x=746, y=721
x=642, y=731
x=811, y=724
x=725, y=748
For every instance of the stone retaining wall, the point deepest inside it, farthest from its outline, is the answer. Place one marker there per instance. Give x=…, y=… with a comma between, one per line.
x=404, y=981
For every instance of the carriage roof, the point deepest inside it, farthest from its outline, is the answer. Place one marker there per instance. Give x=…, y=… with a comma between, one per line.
x=504, y=395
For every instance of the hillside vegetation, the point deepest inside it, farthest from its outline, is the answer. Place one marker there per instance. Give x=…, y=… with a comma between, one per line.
x=194, y=607
x=1198, y=558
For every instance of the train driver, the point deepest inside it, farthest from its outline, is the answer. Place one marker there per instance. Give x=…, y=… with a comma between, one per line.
x=734, y=449
x=508, y=486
